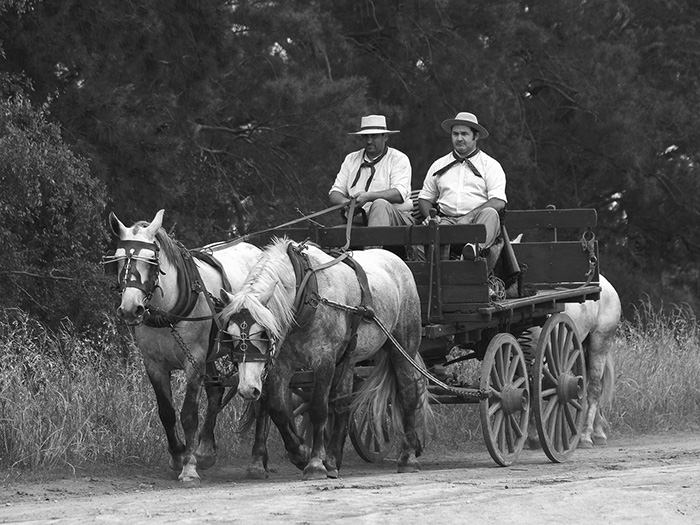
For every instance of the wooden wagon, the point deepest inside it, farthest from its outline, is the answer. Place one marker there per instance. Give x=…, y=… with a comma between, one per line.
x=460, y=310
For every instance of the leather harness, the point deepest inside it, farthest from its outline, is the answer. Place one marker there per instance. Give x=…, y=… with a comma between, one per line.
x=190, y=284
x=307, y=299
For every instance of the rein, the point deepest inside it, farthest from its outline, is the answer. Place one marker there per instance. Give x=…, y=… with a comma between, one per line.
x=249, y=236
x=588, y=245
x=369, y=314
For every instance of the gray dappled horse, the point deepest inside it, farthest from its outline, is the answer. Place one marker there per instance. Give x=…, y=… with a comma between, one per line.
x=263, y=319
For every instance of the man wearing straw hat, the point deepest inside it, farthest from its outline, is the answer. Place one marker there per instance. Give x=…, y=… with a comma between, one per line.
x=378, y=176
x=467, y=186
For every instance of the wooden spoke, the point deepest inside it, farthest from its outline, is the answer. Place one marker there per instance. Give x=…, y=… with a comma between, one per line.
x=558, y=387
x=505, y=413
x=371, y=445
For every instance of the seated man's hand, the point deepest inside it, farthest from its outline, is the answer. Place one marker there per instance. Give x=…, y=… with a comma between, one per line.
x=427, y=220
x=363, y=198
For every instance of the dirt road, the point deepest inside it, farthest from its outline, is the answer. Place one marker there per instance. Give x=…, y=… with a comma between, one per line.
x=653, y=479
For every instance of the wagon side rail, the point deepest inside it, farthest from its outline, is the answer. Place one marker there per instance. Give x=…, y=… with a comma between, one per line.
x=451, y=290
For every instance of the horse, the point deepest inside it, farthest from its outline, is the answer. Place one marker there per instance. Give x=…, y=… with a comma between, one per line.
x=163, y=285
x=596, y=323
x=302, y=308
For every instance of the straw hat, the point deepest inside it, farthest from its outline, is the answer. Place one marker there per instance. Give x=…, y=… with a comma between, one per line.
x=372, y=125
x=465, y=119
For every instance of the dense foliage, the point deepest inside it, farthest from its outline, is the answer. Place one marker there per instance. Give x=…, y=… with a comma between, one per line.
x=237, y=112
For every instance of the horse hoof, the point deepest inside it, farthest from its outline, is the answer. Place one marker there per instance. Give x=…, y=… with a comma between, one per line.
x=333, y=473
x=206, y=462
x=300, y=460
x=189, y=480
x=407, y=466
x=585, y=443
x=600, y=441
x=533, y=444
x=256, y=473
x=314, y=473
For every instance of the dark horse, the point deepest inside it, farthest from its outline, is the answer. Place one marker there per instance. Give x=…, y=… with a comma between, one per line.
x=264, y=317
x=165, y=297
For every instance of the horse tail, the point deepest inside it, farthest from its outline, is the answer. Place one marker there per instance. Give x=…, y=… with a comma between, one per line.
x=426, y=415
x=376, y=395
x=245, y=422
x=379, y=393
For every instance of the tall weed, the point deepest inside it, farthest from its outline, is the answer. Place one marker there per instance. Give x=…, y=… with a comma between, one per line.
x=658, y=371
x=67, y=401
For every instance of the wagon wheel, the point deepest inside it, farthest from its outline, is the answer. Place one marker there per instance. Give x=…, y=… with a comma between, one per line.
x=506, y=412
x=371, y=444
x=368, y=445
x=559, y=387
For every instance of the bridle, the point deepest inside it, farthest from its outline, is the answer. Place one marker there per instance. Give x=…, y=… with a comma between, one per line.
x=130, y=277
x=247, y=346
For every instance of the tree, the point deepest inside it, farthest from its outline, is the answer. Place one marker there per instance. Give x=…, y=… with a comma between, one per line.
x=50, y=225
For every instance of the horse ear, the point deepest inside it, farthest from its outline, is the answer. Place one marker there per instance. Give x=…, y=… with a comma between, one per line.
x=116, y=224
x=517, y=239
x=265, y=297
x=225, y=296
x=156, y=223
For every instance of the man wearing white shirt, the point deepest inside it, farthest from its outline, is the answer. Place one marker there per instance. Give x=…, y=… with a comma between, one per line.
x=466, y=185
x=378, y=176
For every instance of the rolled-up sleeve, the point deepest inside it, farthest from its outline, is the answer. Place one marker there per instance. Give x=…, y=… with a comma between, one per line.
x=430, y=191
x=341, y=183
x=400, y=176
x=496, y=182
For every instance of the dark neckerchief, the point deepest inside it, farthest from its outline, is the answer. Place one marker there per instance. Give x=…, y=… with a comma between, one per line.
x=369, y=164
x=460, y=160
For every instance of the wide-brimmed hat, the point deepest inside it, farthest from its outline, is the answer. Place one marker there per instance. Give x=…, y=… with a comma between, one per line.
x=373, y=125
x=465, y=119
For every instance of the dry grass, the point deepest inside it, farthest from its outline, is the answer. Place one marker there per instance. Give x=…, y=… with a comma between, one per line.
x=67, y=402
x=658, y=366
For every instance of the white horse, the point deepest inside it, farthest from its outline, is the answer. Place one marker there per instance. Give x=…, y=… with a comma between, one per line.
x=596, y=322
x=166, y=297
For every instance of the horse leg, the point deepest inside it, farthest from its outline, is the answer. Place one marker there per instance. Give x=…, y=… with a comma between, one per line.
x=339, y=407
x=189, y=418
x=160, y=381
x=606, y=394
x=279, y=408
x=257, y=469
x=318, y=414
x=206, y=451
x=597, y=354
x=410, y=390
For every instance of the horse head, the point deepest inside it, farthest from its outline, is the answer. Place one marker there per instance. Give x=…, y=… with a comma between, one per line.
x=138, y=265
x=256, y=337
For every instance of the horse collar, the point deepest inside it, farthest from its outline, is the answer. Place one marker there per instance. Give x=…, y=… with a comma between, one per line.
x=305, y=301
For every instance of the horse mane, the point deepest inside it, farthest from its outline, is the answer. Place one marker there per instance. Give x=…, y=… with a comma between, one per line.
x=272, y=271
